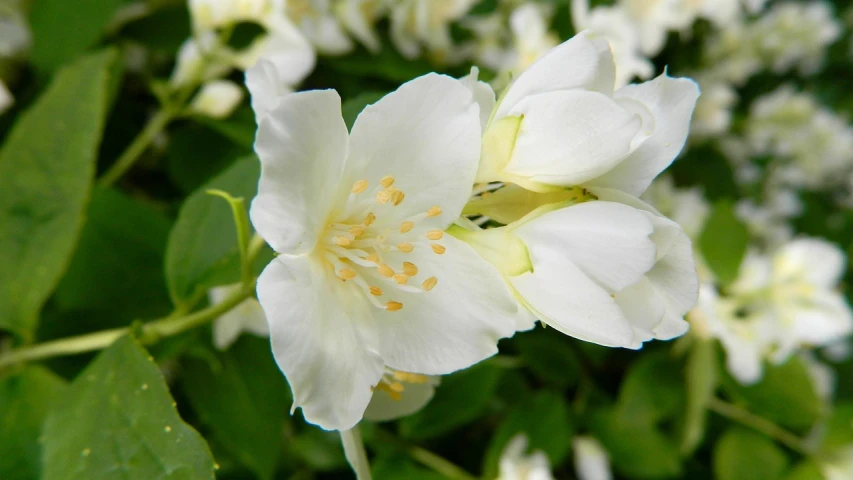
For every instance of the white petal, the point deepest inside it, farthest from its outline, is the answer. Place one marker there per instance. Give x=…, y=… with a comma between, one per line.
x=456, y=324
x=812, y=260
x=302, y=145
x=569, y=137
x=643, y=308
x=245, y=317
x=426, y=134
x=217, y=99
x=323, y=340
x=284, y=46
x=591, y=460
x=483, y=94
x=825, y=319
x=578, y=63
x=383, y=408
x=671, y=102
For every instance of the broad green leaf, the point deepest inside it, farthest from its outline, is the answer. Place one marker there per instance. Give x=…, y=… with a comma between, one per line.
x=242, y=398
x=544, y=419
x=47, y=164
x=723, y=242
x=165, y=29
x=118, y=265
x=636, y=448
x=25, y=399
x=786, y=395
x=117, y=420
x=202, y=250
x=549, y=356
x=839, y=427
x=352, y=107
x=652, y=389
x=745, y=454
x=701, y=381
x=806, y=470
x=62, y=30
x=197, y=153
x=461, y=398
x=239, y=127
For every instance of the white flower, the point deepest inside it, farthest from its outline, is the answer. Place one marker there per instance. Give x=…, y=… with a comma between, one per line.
x=713, y=113
x=399, y=394
x=200, y=59
x=359, y=18
x=531, y=37
x=561, y=124
x=796, y=34
x=417, y=23
x=245, y=317
x=654, y=18
x=685, y=206
x=15, y=36
x=591, y=460
x=318, y=23
x=217, y=99
x=839, y=466
x=6, y=98
x=212, y=14
x=365, y=278
x=515, y=465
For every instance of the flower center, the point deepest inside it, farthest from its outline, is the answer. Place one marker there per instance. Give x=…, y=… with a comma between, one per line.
x=393, y=382
x=367, y=248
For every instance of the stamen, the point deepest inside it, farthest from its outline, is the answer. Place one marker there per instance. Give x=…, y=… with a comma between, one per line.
x=429, y=283
x=384, y=196
x=410, y=377
x=385, y=270
x=396, y=386
x=358, y=230
x=439, y=249
x=373, y=258
x=410, y=269
x=433, y=234
x=342, y=241
x=401, y=278
x=393, y=306
x=376, y=291
x=346, y=274
x=434, y=211
x=397, y=197
x=359, y=186
x=386, y=181
x=406, y=226
x=405, y=247
x=369, y=219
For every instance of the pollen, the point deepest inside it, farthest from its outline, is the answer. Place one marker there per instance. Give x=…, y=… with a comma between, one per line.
x=397, y=197
x=439, y=249
x=359, y=186
x=342, y=241
x=407, y=226
x=434, y=234
x=410, y=377
x=410, y=269
x=434, y=211
x=393, y=306
x=396, y=386
x=405, y=247
x=429, y=283
x=387, y=181
x=384, y=196
x=385, y=270
x=346, y=274
x=369, y=219
x=375, y=291
x=357, y=230
x=401, y=278
x=373, y=258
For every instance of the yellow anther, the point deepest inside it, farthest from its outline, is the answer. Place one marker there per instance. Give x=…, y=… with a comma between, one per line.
x=384, y=196
x=395, y=396
x=373, y=258
x=396, y=386
x=393, y=306
x=406, y=226
x=397, y=197
x=346, y=274
x=410, y=269
x=357, y=230
x=387, y=181
x=405, y=247
x=410, y=377
x=385, y=270
x=375, y=291
x=342, y=241
x=434, y=211
x=359, y=186
x=429, y=283
x=435, y=234
x=369, y=219
x=439, y=249
x=401, y=278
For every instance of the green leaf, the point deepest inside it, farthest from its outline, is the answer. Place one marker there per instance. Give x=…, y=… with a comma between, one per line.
x=636, y=448
x=62, y=30
x=239, y=127
x=460, y=399
x=319, y=449
x=745, y=454
x=839, y=427
x=118, y=265
x=202, y=250
x=549, y=356
x=47, y=164
x=165, y=29
x=352, y=107
x=723, y=242
x=806, y=470
x=197, y=153
x=242, y=398
x=399, y=467
x=544, y=420
x=117, y=420
x=701, y=381
x=652, y=390
x=25, y=399
x=786, y=395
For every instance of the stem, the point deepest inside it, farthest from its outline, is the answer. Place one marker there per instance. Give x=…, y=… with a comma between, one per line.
x=154, y=126
x=425, y=457
x=355, y=453
x=760, y=424
x=148, y=333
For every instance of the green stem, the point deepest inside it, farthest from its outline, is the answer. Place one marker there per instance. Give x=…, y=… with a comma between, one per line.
x=148, y=333
x=132, y=153
x=760, y=424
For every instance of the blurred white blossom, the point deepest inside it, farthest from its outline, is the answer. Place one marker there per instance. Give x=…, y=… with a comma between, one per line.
x=591, y=460
x=245, y=317
x=515, y=464
x=217, y=99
